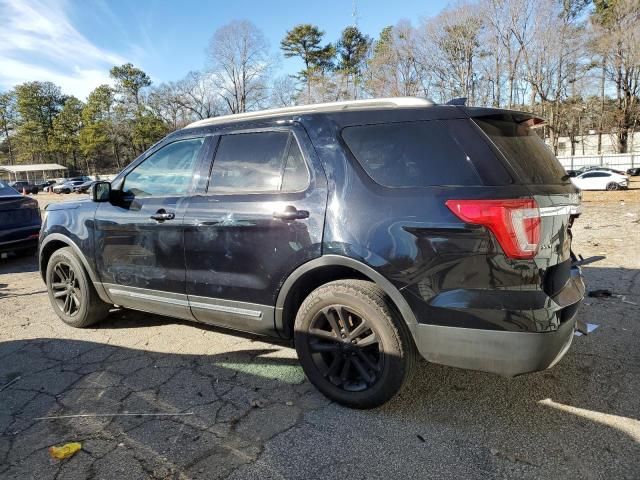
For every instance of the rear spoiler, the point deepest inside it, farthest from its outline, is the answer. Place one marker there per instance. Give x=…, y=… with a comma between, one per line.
x=525, y=118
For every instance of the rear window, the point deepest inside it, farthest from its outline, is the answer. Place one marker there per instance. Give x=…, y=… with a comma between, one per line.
x=425, y=153
x=523, y=148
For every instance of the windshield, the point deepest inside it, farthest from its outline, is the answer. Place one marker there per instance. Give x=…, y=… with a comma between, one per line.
x=523, y=148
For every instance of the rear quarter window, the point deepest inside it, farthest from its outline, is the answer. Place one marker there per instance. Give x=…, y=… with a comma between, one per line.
x=424, y=154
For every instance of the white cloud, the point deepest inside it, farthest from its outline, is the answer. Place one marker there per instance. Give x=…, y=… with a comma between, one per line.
x=38, y=42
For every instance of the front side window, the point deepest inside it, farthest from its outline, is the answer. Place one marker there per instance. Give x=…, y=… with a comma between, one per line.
x=167, y=172
x=259, y=162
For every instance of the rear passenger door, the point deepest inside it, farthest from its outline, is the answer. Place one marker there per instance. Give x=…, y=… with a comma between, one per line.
x=260, y=216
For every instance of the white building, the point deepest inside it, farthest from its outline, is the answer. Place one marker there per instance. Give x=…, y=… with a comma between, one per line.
x=588, y=144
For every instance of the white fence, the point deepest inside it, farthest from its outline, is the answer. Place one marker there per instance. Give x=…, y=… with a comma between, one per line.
x=619, y=161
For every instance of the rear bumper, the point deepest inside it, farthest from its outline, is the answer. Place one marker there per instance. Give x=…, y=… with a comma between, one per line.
x=19, y=245
x=506, y=353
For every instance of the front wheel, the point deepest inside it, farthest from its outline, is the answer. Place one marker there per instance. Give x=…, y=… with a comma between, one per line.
x=612, y=186
x=71, y=293
x=352, y=344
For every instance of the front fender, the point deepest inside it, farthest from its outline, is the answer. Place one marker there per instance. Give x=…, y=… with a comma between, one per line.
x=54, y=241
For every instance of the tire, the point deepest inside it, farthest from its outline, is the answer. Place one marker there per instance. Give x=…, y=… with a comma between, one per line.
x=612, y=186
x=77, y=303
x=377, y=346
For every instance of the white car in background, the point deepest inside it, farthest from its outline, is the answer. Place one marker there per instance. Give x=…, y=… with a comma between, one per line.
x=600, y=180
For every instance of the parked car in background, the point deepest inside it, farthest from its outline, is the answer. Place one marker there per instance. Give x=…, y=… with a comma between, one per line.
x=84, y=178
x=84, y=187
x=67, y=187
x=43, y=186
x=634, y=172
x=19, y=221
x=22, y=186
x=367, y=232
x=600, y=180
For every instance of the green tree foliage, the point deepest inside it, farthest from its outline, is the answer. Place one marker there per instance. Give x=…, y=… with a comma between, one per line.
x=37, y=103
x=130, y=82
x=352, y=50
x=66, y=130
x=96, y=139
x=141, y=127
x=305, y=41
x=8, y=122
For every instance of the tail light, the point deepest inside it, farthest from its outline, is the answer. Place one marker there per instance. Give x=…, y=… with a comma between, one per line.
x=515, y=222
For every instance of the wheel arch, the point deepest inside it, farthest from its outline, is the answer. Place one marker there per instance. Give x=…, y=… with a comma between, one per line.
x=324, y=269
x=56, y=241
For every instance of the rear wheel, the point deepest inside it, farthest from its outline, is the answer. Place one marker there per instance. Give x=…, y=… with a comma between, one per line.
x=612, y=186
x=352, y=344
x=71, y=293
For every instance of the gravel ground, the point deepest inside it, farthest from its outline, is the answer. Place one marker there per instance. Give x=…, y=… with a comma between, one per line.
x=246, y=411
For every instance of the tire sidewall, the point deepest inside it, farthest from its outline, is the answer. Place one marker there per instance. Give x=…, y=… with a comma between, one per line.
x=65, y=255
x=394, y=365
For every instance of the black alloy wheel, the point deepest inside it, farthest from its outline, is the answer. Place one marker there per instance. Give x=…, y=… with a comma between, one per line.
x=352, y=343
x=71, y=291
x=345, y=348
x=66, y=289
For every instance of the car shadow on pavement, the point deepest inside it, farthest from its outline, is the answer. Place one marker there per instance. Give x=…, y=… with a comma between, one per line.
x=248, y=412
x=159, y=415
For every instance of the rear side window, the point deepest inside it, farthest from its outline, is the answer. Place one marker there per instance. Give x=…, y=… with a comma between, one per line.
x=523, y=148
x=258, y=163
x=425, y=153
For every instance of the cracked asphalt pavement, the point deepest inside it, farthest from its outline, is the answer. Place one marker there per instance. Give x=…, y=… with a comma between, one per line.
x=237, y=407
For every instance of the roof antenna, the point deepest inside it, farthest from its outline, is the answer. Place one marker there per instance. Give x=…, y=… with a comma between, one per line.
x=460, y=101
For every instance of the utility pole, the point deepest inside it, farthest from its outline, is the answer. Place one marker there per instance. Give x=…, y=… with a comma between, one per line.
x=354, y=12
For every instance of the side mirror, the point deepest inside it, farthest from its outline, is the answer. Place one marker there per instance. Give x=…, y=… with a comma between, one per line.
x=101, y=192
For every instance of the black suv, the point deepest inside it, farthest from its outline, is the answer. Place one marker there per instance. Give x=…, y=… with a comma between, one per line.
x=24, y=186
x=365, y=231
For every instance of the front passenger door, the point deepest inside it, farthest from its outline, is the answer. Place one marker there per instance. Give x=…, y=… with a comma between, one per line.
x=139, y=236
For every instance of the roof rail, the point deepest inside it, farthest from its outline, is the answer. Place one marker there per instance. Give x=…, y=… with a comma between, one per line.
x=392, y=102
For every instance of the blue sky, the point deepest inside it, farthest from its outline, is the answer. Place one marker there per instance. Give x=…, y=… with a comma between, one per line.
x=74, y=42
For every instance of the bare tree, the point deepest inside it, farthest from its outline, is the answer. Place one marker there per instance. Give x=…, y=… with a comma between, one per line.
x=284, y=92
x=451, y=50
x=239, y=57
x=394, y=68
x=617, y=38
x=552, y=51
x=196, y=95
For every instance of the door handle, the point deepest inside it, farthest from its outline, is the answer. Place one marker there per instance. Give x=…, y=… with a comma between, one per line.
x=162, y=215
x=291, y=213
